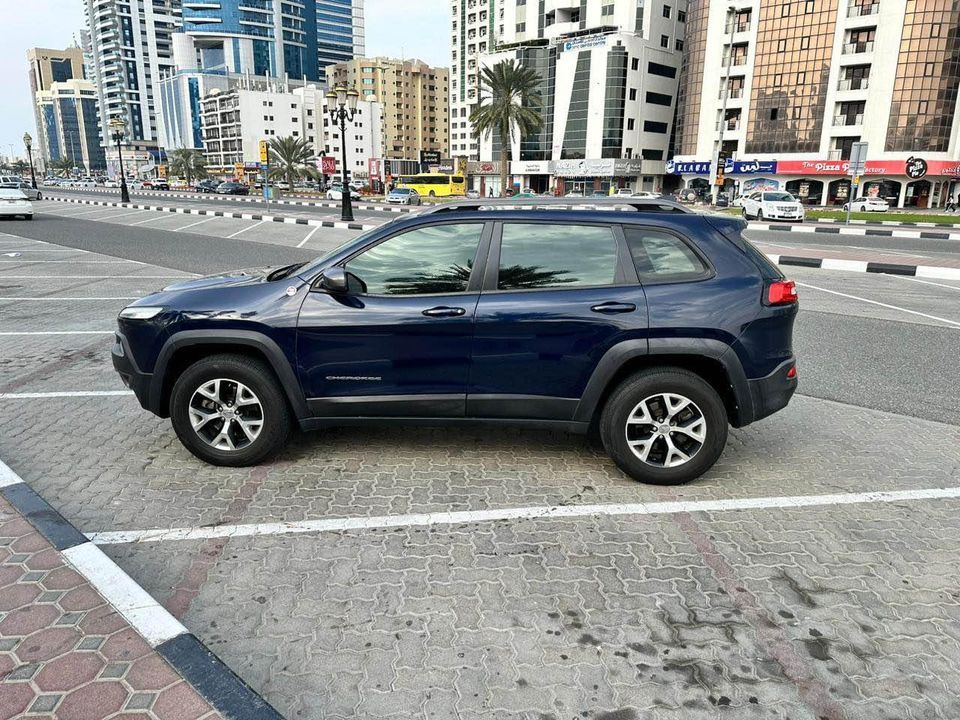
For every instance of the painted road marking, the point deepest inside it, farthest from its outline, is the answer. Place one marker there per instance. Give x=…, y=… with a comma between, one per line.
x=144, y=222
x=19, y=299
x=45, y=395
x=59, y=332
x=885, y=305
x=103, y=277
x=925, y=282
x=249, y=227
x=309, y=235
x=522, y=513
x=199, y=222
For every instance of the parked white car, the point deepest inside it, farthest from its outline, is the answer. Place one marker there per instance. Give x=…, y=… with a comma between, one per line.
x=14, y=203
x=645, y=194
x=868, y=204
x=336, y=193
x=772, y=205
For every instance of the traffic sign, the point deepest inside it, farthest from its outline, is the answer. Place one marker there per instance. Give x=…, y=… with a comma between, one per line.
x=858, y=158
x=264, y=151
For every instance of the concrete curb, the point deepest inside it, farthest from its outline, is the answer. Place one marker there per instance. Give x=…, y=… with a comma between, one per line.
x=857, y=231
x=894, y=223
x=380, y=207
x=222, y=213
x=924, y=271
x=208, y=675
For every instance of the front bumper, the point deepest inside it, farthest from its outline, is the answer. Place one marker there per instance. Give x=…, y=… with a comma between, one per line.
x=773, y=392
x=130, y=374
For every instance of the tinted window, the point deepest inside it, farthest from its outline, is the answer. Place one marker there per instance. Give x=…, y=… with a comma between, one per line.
x=659, y=256
x=778, y=197
x=556, y=256
x=432, y=260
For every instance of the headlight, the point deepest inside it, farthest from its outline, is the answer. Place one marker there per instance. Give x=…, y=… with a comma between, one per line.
x=140, y=312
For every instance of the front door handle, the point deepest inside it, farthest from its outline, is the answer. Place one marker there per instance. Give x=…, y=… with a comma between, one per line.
x=614, y=307
x=444, y=311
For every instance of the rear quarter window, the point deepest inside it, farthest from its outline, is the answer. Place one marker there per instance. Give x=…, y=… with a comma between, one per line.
x=663, y=257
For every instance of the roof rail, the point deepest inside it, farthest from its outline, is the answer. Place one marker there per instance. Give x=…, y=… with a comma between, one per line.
x=654, y=205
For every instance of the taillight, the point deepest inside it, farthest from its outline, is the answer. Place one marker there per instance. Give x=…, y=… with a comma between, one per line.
x=782, y=292
x=792, y=373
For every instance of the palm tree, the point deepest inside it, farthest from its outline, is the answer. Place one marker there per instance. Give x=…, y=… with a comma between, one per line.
x=62, y=166
x=189, y=164
x=292, y=158
x=509, y=102
x=19, y=167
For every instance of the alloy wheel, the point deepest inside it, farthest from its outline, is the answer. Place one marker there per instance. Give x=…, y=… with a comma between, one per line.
x=666, y=430
x=226, y=414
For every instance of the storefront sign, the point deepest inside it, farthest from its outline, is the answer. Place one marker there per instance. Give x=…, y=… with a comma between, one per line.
x=584, y=168
x=446, y=165
x=328, y=165
x=483, y=167
x=687, y=167
x=430, y=157
x=750, y=167
x=758, y=185
x=627, y=167
x=915, y=168
x=373, y=167
x=531, y=167
x=585, y=43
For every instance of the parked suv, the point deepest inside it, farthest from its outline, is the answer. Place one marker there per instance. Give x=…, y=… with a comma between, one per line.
x=655, y=327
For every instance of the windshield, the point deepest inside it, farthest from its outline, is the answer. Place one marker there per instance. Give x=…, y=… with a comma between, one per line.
x=778, y=197
x=400, y=191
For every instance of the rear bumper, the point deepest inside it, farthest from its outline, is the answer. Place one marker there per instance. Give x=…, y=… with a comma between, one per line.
x=130, y=374
x=773, y=392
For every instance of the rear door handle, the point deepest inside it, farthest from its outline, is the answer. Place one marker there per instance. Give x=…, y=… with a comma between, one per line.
x=614, y=307
x=444, y=311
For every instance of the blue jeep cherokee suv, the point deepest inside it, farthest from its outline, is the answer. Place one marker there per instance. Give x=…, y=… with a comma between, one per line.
x=655, y=326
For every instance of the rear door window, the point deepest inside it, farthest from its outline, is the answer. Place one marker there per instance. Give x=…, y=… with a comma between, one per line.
x=662, y=257
x=536, y=256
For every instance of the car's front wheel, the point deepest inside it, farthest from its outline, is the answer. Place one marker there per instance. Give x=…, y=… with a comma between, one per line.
x=230, y=410
x=664, y=426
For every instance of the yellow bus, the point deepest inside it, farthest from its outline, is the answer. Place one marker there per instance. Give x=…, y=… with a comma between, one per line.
x=434, y=184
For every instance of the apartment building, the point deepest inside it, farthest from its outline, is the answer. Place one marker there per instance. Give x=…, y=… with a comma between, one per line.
x=414, y=98
x=236, y=120
x=130, y=47
x=608, y=74
x=784, y=89
x=48, y=66
x=70, y=124
x=475, y=27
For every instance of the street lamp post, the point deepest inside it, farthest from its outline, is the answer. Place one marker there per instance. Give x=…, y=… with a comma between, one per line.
x=342, y=107
x=28, y=141
x=117, y=126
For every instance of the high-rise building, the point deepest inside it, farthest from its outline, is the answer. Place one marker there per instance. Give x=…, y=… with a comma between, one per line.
x=608, y=75
x=130, y=48
x=70, y=124
x=49, y=66
x=340, y=32
x=414, y=98
x=784, y=89
x=260, y=37
x=475, y=27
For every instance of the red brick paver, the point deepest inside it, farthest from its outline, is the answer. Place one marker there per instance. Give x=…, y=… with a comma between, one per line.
x=65, y=653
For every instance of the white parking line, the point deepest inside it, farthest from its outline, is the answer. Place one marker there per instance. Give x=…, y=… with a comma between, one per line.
x=144, y=222
x=126, y=214
x=58, y=332
x=44, y=395
x=925, y=282
x=98, y=277
x=523, y=513
x=309, y=235
x=200, y=222
x=73, y=262
x=250, y=227
x=885, y=305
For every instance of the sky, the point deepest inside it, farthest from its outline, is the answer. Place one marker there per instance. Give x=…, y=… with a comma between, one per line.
x=419, y=28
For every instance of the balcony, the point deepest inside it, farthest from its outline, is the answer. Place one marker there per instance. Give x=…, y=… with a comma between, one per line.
x=737, y=27
x=739, y=58
x=732, y=94
x=855, y=48
x=856, y=10
x=854, y=84
x=733, y=124
x=848, y=120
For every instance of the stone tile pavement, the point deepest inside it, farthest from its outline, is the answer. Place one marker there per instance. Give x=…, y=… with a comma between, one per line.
x=65, y=653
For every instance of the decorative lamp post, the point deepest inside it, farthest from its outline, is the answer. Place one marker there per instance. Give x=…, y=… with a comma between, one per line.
x=342, y=107
x=28, y=141
x=117, y=131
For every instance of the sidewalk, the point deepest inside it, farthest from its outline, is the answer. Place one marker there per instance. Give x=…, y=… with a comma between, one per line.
x=65, y=653
x=80, y=640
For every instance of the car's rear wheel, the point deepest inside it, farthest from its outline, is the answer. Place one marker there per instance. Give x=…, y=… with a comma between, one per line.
x=230, y=410
x=432, y=194
x=759, y=213
x=39, y=196
x=664, y=426
x=863, y=208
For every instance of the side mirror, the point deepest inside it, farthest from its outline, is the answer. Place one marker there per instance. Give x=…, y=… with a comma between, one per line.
x=334, y=280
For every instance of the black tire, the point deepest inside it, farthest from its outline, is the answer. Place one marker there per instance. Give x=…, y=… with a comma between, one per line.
x=277, y=420
x=28, y=217
x=432, y=194
x=39, y=196
x=759, y=213
x=634, y=390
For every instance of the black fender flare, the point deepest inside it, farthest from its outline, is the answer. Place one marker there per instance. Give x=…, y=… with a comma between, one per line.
x=621, y=353
x=276, y=358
